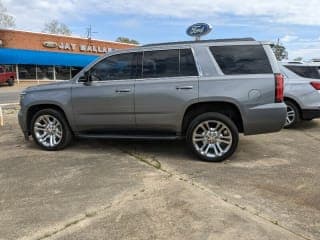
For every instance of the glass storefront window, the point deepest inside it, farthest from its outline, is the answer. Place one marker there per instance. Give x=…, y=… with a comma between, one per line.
x=9, y=68
x=62, y=73
x=75, y=70
x=45, y=73
x=27, y=72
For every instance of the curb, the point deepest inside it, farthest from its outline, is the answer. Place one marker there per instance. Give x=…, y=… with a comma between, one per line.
x=1, y=111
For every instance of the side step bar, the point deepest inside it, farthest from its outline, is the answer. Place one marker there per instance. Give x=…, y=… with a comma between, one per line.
x=123, y=136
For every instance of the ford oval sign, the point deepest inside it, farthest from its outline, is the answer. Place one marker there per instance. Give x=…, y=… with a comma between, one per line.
x=199, y=29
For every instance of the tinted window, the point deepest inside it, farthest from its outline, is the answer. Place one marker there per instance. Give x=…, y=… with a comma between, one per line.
x=117, y=67
x=187, y=64
x=305, y=71
x=248, y=59
x=164, y=63
x=169, y=63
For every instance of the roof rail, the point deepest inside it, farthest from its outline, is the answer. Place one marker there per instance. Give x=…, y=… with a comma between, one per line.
x=295, y=62
x=201, y=41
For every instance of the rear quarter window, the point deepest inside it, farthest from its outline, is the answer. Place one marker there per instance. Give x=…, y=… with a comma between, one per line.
x=305, y=71
x=242, y=59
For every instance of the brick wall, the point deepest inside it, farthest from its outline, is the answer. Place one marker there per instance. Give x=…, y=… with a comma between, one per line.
x=56, y=43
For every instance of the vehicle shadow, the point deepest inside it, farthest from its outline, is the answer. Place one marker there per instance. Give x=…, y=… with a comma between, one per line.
x=147, y=148
x=175, y=150
x=308, y=125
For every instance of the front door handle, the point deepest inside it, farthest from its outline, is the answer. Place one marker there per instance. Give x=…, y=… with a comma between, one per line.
x=184, y=87
x=123, y=90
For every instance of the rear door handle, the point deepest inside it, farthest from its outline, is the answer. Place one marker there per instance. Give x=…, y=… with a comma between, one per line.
x=123, y=90
x=184, y=87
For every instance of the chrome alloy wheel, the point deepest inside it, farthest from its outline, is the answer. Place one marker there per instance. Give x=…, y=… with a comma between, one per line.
x=291, y=116
x=48, y=130
x=212, y=138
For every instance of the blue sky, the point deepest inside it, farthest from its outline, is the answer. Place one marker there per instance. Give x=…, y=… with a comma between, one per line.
x=295, y=22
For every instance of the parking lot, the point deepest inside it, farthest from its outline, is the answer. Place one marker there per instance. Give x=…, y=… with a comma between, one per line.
x=11, y=94
x=156, y=190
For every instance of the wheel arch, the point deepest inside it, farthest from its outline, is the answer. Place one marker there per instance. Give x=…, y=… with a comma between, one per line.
x=32, y=110
x=295, y=102
x=226, y=108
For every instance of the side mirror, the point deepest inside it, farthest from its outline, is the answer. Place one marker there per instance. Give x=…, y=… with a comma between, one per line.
x=85, y=78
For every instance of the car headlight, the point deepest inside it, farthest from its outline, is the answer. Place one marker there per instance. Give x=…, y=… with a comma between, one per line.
x=22, y=95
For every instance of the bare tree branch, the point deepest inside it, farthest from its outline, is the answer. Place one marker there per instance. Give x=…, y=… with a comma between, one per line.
x=55, y=27
x=6, y=20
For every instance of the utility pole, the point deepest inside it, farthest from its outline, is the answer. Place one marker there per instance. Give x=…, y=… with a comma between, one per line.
x=89, y=34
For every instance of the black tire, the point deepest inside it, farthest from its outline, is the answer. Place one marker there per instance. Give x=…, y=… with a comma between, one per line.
x=10, y=82
x=213, y=116
x=292, y=120
x=67, y=135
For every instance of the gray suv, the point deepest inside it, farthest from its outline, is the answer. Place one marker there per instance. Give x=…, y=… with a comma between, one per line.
x=204, y=91
x=302, y=91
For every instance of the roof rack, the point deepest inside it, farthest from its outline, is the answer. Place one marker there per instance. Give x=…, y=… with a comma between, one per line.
x=201, y=41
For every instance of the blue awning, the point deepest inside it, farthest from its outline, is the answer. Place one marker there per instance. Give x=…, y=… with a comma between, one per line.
x=20, y=56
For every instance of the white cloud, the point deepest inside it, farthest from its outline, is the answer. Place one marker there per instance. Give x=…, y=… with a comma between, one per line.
x=32, y=14
x=306, y=53
x=304, y=47
x=35, y=12
x=289, y=38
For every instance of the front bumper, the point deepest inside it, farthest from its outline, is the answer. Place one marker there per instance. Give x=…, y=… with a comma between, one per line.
x=308, y=114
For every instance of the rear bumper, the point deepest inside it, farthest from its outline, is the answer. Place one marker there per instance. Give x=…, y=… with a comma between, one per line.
x=265, y=118
x=308, y=114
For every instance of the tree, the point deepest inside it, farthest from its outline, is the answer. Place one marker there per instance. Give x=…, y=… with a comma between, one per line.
x=56, y=27
x=127, y=40
x=6, y=20
x=279, y=50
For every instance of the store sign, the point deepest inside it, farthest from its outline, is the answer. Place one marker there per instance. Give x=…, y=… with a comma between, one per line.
x=199, y=29
x=76, y=47
x=50, y=44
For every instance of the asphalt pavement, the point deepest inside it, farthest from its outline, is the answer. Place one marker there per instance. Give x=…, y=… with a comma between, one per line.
x=9, y=97
x=98, y=189
x=11, y=94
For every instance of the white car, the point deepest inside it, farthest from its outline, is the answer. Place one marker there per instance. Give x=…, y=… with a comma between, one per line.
x=302, y=91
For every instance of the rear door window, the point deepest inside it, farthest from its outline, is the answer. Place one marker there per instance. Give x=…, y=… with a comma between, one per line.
x=187, y=63
x=162, y=63
x=169, y=63
x=242, y=59
x=305, y=71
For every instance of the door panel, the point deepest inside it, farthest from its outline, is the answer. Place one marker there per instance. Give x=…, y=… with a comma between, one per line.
x=160, y=102
x=104, y=105
x=107, y=103
x=170, y=83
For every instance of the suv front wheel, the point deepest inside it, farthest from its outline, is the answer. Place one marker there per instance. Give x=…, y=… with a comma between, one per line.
x=50, y=130
x=212, y=137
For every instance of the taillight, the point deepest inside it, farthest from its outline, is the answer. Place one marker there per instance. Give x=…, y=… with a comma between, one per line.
x=316, y=85
x=279, y=87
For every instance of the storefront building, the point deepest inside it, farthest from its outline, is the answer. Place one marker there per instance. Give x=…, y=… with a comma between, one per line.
x=42, y=57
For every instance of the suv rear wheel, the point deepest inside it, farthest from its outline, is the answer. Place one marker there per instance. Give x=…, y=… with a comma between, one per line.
x=50, y=130
x=212, y=137
x=293, y=115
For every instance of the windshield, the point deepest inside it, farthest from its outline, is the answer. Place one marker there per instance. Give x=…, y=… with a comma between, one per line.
x=306, y=71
